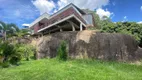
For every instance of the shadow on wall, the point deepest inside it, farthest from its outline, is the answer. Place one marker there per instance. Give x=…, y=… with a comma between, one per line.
x=90, y=44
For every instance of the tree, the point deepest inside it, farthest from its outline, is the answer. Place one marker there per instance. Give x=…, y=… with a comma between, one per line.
x=23, y=32
x=8, y=29
x=129, y=28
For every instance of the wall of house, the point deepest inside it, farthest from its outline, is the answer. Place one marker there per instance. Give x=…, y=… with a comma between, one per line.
x=65, y=14
x=36, y=28
x=88, y=19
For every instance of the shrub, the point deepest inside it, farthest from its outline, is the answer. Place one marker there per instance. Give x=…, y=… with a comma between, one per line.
x=26, y=51
x=14, y=53
x=9, y=52
x=15, y=59
x=5, y=65
x=62, y=51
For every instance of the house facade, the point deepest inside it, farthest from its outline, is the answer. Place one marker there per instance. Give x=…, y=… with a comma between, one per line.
x=69, y=18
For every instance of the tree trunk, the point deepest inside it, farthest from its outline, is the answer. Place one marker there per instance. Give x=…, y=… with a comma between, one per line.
x=5, y=35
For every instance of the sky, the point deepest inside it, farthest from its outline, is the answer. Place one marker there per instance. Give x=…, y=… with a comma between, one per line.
x=24, y=12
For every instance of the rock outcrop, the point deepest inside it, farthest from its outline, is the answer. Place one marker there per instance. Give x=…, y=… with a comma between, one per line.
x=90, y=44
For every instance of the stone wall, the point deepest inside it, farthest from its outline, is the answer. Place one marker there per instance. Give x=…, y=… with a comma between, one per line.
x=90, y=44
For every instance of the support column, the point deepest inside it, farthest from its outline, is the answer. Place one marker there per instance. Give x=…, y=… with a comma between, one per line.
x=81, y=28
x=60, y=29
x=73, y=28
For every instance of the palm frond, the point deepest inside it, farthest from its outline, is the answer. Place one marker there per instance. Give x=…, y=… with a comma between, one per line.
x=3, y=25
x=13, y=26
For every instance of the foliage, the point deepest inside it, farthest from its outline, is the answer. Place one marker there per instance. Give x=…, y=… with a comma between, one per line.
x=8, y=29
x=26, y=51
x=23, y=32
x=14, y=53
x=62, y=51
x=6, y=50
x=52, y=69
x=131, y=28
x=9, y=52
x=5, y=64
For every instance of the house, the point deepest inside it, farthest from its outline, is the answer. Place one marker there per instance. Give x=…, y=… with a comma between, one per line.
x=69, y=18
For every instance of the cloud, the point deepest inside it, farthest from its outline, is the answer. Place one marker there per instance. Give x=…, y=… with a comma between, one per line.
x=89, y=4
x=50, y=7
x=25, y=24
x=125, y=19
x=18, y=12
x=44, y=5
x=62, y=3
x=141, y=8
x=140, y=22
x=103, y=13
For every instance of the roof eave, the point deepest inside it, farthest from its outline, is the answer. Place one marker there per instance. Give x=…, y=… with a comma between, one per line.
x=45, y=15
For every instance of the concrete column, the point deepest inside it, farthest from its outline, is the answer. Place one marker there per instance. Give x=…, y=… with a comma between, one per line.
x=73, y=28
x=61, y=29
x=81, y=28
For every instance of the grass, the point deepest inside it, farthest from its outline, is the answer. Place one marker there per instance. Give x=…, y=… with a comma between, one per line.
x=52, y=69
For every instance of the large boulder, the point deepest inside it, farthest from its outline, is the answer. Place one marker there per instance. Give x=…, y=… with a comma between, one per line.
x=90, y=44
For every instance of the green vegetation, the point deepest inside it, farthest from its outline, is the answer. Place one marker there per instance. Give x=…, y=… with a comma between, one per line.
x=23, y=32
x=8, y=29
x=13, y=53
x=9, y=53
x=52, y=69
x=130, y=28
x=62, y=51
x=106, y=25
x=27, y=51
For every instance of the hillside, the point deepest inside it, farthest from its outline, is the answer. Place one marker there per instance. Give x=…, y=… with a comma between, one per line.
x=52, y=69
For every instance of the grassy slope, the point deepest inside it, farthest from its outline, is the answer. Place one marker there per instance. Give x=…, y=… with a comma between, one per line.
x=51, y=69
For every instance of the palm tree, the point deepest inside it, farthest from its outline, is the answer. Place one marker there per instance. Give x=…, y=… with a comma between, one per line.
x=8, y=29
x=23, y=32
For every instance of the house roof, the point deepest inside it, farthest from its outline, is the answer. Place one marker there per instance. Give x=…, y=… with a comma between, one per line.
x=46, y=15
x=66, y=7
x=43, y=16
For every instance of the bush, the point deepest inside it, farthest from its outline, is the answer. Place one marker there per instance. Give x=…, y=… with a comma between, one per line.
x=14, y=60
x=7, y=50
x=5, y=65
x=27, y=51
x=62, y=51
x=14, y=53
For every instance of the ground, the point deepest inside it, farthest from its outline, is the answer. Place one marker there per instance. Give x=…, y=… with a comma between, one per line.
x=52, y=69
